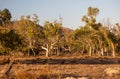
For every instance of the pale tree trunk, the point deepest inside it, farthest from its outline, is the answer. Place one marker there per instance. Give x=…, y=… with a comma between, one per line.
x=105, y=51
x=90, y=48
x=90, y=51
x=113, y=49
x=102, y=52
x=47, y=50
x=69, y=49
x=52, y=46
x=33, y=51
x=30, y=47
x=58, y=52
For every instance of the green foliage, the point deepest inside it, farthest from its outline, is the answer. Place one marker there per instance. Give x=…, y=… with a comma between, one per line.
x=83, y=31
x=9, y=40
x=5, y=16
x=30, y=31
x=90, y=19
x=93, y=37
x=52, y=31
x=27, y=35
x=92, y=12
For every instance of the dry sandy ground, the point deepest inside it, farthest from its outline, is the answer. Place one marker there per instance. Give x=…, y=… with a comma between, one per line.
x=64, y=69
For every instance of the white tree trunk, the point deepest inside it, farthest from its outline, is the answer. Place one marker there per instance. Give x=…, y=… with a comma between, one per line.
x=57, y=51
x=46, y=49
x=90, y=51
x=113, y=49
x=30, y=47
x=102, y=52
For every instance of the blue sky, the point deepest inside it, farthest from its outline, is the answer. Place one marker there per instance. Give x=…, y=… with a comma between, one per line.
x=70, y=10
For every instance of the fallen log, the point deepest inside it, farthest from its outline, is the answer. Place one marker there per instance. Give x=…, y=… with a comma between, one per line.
x=6, y=69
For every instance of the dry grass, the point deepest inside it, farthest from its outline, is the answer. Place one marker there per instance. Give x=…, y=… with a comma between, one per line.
x=35, y=72
x=75, y=78
x=112, y=71
x=4, y=60
x=69, y=69
x=78, y=71
x=23, y=74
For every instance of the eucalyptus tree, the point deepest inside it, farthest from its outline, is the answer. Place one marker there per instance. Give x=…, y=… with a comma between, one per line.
x=101, y=40
x=93, y=36
x=90, y=18
x=114, y=35
x=109, y=40
x=90, y=28
x=5, y=17
x=67, y=42
x=9, y=40
x=53, y=35
x=82, y=37
x=118, y=40
x=29, y=29
x=117, y=34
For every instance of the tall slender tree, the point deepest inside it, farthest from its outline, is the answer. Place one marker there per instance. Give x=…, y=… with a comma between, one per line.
x=52, y=32
x=29, y=30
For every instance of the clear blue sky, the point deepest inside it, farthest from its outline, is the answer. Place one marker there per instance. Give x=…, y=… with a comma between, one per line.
x=70, y=10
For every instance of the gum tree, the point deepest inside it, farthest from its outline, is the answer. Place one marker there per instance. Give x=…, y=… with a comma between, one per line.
x=5, y=17
x=29, y=29
x=52, y=32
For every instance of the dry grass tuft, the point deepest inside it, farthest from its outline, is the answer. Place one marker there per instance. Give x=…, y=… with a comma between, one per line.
x=76, y=78
x=23, y=74
x=36, y=73
x=83, y=78
x=69, y=78
x=4, y=60
x=112, y=71
x=46, y=73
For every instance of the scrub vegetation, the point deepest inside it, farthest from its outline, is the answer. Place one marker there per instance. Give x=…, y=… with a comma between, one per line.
x=52, y=51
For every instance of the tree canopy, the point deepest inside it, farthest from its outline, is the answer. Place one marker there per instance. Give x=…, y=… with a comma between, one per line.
x=30, y=38
x=5, y=16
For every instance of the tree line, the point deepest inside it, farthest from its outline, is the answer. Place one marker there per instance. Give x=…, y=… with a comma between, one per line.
x=30, y=38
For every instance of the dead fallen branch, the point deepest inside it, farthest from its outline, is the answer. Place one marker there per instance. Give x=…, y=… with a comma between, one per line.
x=7, y=69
